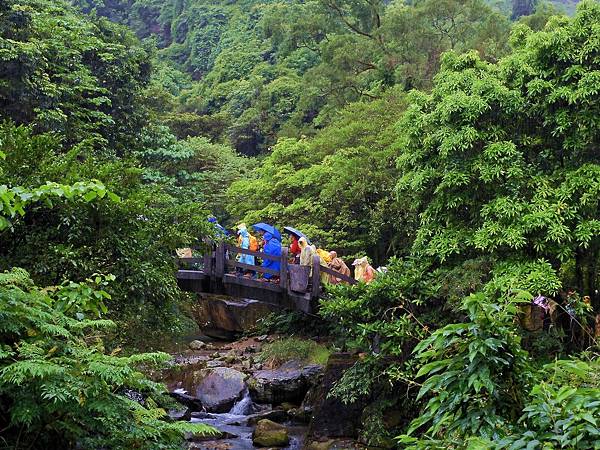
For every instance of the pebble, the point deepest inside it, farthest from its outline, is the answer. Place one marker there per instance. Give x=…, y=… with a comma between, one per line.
x=197, y=345
x=214, y=363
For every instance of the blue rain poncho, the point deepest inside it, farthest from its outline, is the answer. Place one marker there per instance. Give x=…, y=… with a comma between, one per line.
x=273, y=248
x=245, y=243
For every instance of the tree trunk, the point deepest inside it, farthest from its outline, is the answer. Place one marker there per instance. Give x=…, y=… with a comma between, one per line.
x=522, y=8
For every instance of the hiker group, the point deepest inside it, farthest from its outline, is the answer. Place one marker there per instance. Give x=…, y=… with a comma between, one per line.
x=267, y=240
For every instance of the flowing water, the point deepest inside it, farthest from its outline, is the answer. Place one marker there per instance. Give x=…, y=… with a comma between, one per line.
x=238, y=434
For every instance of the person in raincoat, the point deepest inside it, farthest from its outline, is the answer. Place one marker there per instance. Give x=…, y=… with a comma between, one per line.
x=324, y=255
x=324, y=260
x=272, y=247
x=220, y=231
x=363, y=271
x=295, y=249
x=244, y=242
x=338, y=265
x=306, y=252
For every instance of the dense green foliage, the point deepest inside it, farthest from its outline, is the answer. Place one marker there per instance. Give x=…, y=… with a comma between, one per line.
x=75, y=93
x=313, y=184
x=437, y=136
x=58, y=386
x=268, y=69
x=63, y=73
x=499, y=163
x=91, y=206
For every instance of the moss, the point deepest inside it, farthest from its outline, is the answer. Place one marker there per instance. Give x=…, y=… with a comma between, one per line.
x=292, y=348
x=270, y=434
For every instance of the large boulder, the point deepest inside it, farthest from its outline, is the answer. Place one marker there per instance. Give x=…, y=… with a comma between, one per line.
x=225, y=317
x=214, y=389
x=330, y=417
x=220, y=389
x=288, y=383
x=270, y=434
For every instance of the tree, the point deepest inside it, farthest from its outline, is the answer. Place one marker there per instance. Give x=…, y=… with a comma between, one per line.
x=133, y=238
x=522, y=8
x=63, y=73
x=313, y=183
x=499, y=159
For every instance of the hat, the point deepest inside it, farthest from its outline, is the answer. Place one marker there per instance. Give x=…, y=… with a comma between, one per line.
x=361, y=261
x=241, y=226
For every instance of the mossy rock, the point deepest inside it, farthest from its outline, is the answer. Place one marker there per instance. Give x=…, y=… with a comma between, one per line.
x=270, y=434
x=316, y=445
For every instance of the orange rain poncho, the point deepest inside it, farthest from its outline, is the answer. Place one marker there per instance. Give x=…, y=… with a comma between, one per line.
x=338, y=265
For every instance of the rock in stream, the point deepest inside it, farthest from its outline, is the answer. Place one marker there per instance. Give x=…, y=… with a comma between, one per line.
x=242, y=406
x=288, y=383
x=220, y=388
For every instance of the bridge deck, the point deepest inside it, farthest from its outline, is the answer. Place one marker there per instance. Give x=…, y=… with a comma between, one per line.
x=210, y=274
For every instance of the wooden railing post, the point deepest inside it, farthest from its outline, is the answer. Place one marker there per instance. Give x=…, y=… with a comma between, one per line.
x=283, y=269
x=207, y=263
x=316, y=277
x=220, y=260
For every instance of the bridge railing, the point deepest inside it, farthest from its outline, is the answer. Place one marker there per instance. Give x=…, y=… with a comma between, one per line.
x=232, y=262
x=339, y=276
x=220, y=259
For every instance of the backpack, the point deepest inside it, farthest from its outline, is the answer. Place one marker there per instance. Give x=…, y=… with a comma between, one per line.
x=253, y=244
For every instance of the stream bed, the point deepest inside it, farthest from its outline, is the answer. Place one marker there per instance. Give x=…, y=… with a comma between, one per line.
x=241, y=434
x=206, y=379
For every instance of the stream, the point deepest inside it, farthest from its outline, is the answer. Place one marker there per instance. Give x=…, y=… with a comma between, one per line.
x=190, y=380
x=235, y=423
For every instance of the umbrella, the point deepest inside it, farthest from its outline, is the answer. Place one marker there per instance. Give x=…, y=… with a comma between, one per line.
x=268, y=229
x=218, y=226
x=222, y=229
x=297, y=233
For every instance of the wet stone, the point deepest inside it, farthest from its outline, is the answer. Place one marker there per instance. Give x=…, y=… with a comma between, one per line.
x=182, y=414
x=276, y=415
x=288, y=383
x=220, y=389
x=214, y=363
x=191, y=402
x=197, y=345
x=270, y=434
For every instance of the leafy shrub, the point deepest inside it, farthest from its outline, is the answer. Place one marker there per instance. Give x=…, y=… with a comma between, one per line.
x=61, y=390
x=291, y=322
x=563, y=410
x=476, y=372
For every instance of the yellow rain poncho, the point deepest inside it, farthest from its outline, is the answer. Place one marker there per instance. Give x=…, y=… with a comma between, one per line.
x=363, y=270
x=306, y=253
x=324, y=255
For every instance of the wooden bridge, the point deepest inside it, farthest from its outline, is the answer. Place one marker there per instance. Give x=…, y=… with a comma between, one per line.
x=219, y=272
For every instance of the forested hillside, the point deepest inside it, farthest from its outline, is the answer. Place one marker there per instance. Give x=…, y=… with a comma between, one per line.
x=251, y=71
x=455, y=142
x=258, y=70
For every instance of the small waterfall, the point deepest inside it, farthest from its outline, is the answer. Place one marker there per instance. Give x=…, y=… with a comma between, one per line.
x=242, y=407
